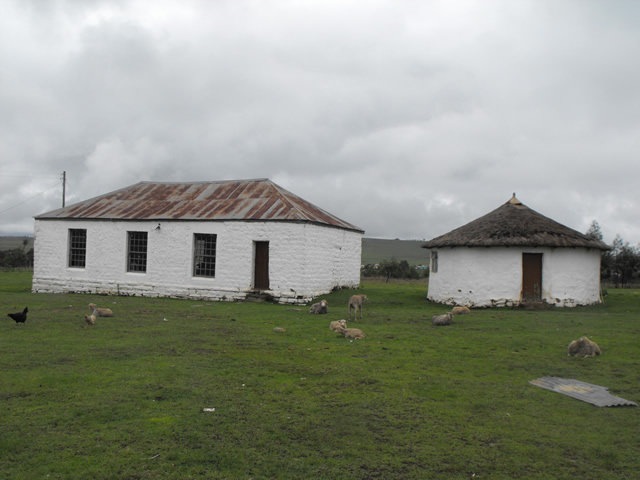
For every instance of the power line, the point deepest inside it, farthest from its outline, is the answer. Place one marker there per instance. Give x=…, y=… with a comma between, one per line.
x=15, y=173
x=30, y=198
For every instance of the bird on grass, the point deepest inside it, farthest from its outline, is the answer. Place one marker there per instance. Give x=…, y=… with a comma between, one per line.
x=19, y=317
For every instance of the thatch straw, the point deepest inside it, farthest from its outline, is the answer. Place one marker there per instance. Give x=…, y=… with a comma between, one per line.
x=514, y=225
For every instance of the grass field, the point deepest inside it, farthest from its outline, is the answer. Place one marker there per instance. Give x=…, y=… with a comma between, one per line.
x=125, y=399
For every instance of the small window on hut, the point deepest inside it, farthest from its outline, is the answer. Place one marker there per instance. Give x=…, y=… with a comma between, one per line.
x=77, y=247
x=434, y=262
x=204, y=255
x=137, y=252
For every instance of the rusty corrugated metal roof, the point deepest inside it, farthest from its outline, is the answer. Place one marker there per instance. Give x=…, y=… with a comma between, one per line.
x=587, y=392
x=258, y=200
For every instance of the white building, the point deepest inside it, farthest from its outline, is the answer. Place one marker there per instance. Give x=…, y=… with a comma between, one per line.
x=210, y=240
x=514, y=255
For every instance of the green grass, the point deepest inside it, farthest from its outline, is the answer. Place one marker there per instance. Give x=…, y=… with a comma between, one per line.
x=124, y=399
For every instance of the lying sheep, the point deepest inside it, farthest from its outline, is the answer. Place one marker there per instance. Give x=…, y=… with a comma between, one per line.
x=460, y=310
x=442, y=319
x=319, y=308
x=353, y=333
x=583, y=347
x=100, y=312
x=337, y=324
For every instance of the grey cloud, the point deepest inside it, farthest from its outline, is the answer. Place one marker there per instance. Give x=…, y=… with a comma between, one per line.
x=415, y=119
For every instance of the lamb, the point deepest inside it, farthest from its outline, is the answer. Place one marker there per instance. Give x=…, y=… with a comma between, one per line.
x=460, y=310
x=442, y=319
x=90, y=319
x=583, y=347
x=319, y=308
x=353, y=333
x=338, y=324
x=100, y=312
x=356, y=302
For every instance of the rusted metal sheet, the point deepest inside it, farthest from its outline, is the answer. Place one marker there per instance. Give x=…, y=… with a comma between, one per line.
x=587, y=392
x=226, y=200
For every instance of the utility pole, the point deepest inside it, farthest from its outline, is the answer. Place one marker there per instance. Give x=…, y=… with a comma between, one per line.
x=64, y=187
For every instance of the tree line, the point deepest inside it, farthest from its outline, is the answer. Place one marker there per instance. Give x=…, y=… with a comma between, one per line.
x=394, y=269
x=17, y=257
x=621, y=264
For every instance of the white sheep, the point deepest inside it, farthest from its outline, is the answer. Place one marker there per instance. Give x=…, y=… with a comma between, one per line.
x=338, y=324
x=442, y=319
x=319, y=308
x=356, y=302
x=100, y=312
x=460, y=311
x=353, y=333
x=583, y=347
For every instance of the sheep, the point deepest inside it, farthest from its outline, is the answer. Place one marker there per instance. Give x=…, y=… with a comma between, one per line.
x=90, y=319
x=100, y=312
x=583, y=347
x=353, y=333
x=460, y=310
x=442, y=319
x=356, y=302
x=319, y=308
x=338, y=324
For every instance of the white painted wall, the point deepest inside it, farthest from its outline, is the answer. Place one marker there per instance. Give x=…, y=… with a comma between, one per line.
x=484, y=277
x=305, y=260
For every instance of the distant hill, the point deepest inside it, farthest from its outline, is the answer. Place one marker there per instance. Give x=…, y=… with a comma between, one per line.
x=374, y=250
x=11, y=242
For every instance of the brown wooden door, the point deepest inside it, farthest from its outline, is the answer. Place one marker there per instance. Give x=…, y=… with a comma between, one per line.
x=532, y=277
x=261, y=266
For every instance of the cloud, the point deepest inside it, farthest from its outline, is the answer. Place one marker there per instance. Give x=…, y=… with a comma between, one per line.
x=411, y=121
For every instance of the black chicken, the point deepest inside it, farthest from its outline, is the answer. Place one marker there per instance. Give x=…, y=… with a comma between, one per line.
x=19, y=317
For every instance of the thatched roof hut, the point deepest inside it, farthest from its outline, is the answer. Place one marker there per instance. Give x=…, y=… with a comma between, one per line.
x=499, y=259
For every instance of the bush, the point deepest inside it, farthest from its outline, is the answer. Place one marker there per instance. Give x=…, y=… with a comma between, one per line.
x=392, y=269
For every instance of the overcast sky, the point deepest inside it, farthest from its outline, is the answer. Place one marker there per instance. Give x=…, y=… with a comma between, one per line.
x=405, y=118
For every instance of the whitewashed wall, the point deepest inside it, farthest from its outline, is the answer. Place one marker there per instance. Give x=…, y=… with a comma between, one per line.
x=305, y=260
x=484, y=277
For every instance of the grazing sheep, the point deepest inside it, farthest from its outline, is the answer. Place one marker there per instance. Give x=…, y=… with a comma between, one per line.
x=100, y=312
x=460, y=310
x=338, y=324
x=321, y=307
x=356, y=302
x=442, y=319
x=583, y=347
x=90, y=319
x=353, y=333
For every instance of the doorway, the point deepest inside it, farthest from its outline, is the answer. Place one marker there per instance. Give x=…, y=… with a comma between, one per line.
x=261, y=266
x=532, y=277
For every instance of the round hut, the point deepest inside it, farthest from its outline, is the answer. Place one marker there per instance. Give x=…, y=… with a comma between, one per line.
x=512, y=256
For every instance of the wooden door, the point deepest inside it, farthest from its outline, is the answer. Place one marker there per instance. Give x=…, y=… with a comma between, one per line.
x=261, y=266
x=532, y=277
